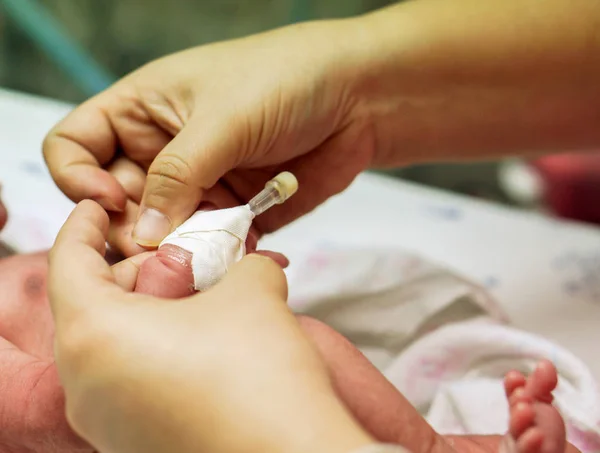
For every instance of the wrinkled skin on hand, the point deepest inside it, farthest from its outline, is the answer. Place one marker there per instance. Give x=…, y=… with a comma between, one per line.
x=163, y=137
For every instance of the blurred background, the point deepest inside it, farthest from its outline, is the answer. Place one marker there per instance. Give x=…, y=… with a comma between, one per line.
x=71, y=49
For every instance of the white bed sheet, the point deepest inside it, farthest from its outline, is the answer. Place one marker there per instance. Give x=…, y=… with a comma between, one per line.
x=545, y=273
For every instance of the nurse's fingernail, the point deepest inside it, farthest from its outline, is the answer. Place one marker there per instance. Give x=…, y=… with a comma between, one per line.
x=151, y=228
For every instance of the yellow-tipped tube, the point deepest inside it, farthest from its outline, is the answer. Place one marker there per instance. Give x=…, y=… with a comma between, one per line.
x=276, y=191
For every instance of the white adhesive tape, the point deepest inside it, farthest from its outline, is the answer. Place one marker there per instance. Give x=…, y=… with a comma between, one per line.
x=216, y=240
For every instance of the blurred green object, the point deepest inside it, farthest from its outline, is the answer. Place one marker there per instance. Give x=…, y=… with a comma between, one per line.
x=301, y=11
x=33, y=18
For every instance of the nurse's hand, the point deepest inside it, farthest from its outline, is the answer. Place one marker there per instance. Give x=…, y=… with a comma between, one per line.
x=225, y=371
x=230, y=114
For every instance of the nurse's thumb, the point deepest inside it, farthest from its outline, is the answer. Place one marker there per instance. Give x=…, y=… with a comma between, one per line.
x=254, y=279
x=180, y=174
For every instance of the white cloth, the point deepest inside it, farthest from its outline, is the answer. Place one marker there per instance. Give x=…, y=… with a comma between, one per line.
x=216, y=240
x=455, y=375
x=380, y=299
x=437, y=337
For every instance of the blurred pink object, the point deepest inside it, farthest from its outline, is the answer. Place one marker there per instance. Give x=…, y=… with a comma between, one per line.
x=572, y=184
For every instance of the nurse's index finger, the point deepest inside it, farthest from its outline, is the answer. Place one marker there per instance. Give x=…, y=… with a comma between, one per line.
x=75, y=151
x=78, y=272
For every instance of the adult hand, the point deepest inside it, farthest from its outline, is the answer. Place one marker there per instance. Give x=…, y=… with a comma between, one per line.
x=325, y=99
x=225, y=371
x=230, y=114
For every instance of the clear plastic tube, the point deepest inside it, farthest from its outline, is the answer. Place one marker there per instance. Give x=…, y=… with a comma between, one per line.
x=276, y=191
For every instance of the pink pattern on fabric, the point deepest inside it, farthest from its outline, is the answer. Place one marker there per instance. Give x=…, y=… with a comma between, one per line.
x=586, y=441
x=438, y=367
x=319, y=261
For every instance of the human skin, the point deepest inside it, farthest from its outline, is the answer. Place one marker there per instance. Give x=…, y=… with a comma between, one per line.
x=31, y=400
x=27, y=373
x=3, y=212
x=380, y=408
x=32, y=405
x=27, y=324
x=419, y=81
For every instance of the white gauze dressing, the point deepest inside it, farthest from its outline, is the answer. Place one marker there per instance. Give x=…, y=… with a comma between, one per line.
x=216, y=240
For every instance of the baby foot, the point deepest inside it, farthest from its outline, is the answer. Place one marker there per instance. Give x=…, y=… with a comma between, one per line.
x=535, y=425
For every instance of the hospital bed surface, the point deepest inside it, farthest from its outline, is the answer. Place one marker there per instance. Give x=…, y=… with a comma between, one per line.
x=545, y=273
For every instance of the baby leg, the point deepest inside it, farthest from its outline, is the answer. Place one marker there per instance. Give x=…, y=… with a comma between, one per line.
x=377, y=405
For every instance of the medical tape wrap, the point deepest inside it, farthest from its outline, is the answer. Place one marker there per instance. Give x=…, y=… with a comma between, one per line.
x=216, y=239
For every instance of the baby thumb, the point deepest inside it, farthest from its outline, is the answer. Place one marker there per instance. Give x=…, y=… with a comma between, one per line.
x=177, y=178
x=256, y=278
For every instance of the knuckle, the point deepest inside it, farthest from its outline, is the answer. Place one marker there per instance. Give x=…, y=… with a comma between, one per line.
x=49, y=141
x=171, y=170
x=60, y=167
x=49, y=147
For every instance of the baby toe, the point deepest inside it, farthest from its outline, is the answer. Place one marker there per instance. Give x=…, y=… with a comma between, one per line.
x=520, y=395
x=512, y=381
x=522, y=417
x=530, y=441
x=542, y=382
